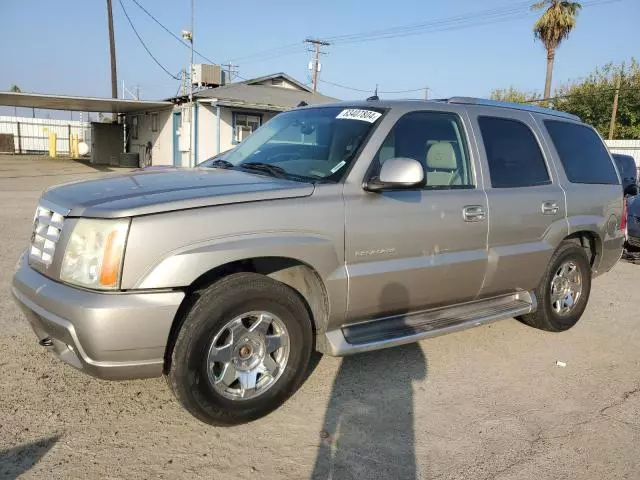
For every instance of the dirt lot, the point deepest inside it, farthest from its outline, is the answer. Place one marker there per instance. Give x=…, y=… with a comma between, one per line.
x=485, y=403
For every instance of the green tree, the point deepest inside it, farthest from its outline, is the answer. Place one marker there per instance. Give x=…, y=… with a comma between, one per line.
x=554, y=26
x=592, y=99
x=15, y=89
x=512, y=94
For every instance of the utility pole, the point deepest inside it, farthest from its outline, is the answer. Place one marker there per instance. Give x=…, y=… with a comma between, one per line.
x=192, y=149
x=188, y=35
x=112, y=51
x=229, y=68
x=614, y=112
x=426, y=93
x=315, y=65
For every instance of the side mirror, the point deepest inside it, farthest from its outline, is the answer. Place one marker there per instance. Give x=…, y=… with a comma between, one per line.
x=631, y=190
x=396, y=174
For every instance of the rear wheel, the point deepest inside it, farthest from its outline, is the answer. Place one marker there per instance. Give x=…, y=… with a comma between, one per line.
x=243, y=349
x=564, y=290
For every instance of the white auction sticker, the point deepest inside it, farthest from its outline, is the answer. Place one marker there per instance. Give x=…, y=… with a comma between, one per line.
x=358, y=114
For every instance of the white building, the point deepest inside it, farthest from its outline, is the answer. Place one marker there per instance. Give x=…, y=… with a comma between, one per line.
x=224, y=116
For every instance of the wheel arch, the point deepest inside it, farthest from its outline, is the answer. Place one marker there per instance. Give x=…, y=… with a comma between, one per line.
x=591, y=242
x=298, y=275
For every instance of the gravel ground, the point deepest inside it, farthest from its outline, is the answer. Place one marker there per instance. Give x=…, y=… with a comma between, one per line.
x=487, y=403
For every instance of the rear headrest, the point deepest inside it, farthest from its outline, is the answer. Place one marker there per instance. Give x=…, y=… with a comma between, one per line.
x=441, y=156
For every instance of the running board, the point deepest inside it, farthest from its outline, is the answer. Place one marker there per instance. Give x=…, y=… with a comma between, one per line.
x=401, y=329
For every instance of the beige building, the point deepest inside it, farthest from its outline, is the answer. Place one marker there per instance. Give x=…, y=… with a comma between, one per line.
x=224, y=116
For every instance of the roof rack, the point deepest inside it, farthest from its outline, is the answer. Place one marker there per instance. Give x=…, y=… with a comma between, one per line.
x=517, y=106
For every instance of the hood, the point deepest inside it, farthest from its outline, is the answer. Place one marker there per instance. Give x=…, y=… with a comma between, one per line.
x=155, y=191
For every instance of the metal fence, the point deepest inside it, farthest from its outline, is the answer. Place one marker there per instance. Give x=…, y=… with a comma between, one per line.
x=31, y=135
x=628, y=147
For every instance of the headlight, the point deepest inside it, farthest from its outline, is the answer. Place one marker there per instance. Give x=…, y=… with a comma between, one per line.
x=93, y=257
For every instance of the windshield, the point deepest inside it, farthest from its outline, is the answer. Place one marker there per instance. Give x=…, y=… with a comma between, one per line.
x=310, y=144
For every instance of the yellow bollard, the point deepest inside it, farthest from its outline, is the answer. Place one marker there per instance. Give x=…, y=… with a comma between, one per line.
x=74, y=146
x=53, y=145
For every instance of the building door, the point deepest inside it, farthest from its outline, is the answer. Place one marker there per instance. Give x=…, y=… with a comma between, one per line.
x=177, y=154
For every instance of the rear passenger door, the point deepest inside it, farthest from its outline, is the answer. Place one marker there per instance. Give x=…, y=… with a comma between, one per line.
x=526, y=203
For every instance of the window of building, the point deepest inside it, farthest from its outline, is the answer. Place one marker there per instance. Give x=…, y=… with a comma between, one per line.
x=134, y=127
x=244, y=124
x=582, y=153
x=513, y=153
x=154, y=122
x=437, y=141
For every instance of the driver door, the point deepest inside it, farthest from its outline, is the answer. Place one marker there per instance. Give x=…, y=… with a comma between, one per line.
x=407, y=250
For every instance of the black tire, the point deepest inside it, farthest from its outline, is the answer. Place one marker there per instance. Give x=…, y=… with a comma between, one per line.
x=235, y=295
x=545, y=318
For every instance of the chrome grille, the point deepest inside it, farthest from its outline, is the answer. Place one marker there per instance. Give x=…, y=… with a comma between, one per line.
x=47, y=227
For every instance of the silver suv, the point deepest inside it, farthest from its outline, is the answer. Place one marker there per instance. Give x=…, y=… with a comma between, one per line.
x=342, y=229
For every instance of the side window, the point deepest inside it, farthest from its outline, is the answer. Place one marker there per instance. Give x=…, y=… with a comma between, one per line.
x=437, y=141
x=513, y=154
x=582, y=153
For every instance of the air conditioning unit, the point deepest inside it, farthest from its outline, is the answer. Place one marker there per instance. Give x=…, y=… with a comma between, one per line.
x=242, y=132
x=208, y=75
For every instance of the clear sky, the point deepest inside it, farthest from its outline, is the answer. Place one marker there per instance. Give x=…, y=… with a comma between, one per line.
x=62, y=46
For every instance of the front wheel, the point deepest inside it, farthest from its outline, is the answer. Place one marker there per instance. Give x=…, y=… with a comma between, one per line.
x=564, y=290
x=242, y=350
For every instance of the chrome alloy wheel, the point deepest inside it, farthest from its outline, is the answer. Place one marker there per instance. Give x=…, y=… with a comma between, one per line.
x=248, y=355
x=566, y=288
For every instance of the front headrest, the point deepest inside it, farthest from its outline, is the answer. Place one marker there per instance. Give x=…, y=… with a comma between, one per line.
x=441, y=156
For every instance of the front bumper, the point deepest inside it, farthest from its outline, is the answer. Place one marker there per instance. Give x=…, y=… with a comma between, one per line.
x=113, y=336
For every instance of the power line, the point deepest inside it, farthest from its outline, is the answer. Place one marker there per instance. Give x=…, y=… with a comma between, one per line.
x=370, y=90
x=485, y=17
x=166, y=29
x=600, y=92
x=284, y=49
x=144, y=45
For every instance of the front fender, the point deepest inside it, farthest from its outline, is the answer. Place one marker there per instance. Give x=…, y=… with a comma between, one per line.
x=183, y=266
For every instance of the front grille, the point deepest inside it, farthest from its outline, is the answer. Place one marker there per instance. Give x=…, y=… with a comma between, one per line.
x=47, y=227
x=636, y=219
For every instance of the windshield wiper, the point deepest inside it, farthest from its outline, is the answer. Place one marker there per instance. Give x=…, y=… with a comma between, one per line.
x=272, y=170
x=221, y=163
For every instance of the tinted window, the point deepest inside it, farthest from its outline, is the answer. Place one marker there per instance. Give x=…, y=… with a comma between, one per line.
x=514, y=156
x=436, y=140
x=626, y=166
x=582, y=153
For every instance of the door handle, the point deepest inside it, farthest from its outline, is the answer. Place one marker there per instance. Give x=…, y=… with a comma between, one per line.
x=473, y=213
x=550, y=208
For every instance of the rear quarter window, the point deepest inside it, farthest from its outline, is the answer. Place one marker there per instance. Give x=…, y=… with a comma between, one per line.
x=583, y=155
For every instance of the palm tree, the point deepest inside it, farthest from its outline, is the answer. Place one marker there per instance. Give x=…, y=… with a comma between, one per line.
x=15, y=89
x=552, y=28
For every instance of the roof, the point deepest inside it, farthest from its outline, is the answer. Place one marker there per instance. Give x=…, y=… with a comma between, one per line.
x=516, y=106
x=250, y=94
x=261, y=96
x=288, y=78
x=83, y=104
x=438, y=104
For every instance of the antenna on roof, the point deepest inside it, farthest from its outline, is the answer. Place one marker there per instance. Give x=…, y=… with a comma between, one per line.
x=374, y=97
